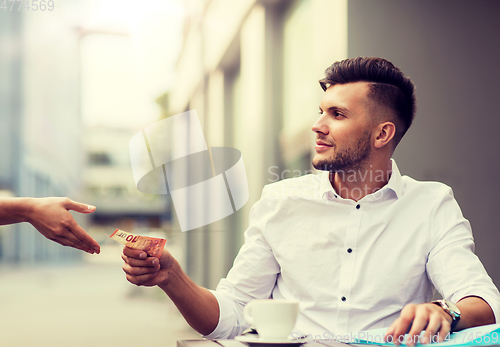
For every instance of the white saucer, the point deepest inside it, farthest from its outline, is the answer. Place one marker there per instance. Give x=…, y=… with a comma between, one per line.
x=253, y=340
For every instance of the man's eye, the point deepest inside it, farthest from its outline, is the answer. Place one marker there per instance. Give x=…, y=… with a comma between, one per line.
x=336, y=114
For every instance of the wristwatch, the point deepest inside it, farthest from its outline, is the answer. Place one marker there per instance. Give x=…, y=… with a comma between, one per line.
x=451, y=309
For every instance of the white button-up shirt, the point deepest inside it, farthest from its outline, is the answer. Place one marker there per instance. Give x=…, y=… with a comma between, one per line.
x=352, y=265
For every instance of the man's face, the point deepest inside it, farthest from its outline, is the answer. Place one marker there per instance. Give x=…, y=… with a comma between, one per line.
x=344, y=128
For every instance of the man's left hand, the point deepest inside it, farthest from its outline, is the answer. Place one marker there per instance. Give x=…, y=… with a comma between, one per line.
x=416, y=318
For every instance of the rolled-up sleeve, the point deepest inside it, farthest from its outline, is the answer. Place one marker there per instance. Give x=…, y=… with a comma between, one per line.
x=252, y=276
x=452, y=266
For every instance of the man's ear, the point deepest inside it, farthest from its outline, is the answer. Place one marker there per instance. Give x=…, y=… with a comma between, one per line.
x=384, y=133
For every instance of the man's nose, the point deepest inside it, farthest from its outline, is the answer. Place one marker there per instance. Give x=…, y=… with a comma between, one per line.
x=320, y=126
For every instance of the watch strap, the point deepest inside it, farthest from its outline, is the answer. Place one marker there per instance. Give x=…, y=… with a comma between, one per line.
x=446, y=306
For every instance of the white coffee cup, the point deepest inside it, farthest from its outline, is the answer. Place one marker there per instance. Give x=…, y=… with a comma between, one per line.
x=273, y=319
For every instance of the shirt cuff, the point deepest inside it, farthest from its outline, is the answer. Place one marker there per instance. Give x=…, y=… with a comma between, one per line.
x=228, y=326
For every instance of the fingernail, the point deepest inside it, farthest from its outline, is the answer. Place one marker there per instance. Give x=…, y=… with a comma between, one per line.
x=142, y=255
x=155, y=262
x=91, y=207
x=97, y=250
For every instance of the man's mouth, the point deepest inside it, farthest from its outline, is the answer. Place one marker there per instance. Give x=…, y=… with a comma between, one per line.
x=321, y=146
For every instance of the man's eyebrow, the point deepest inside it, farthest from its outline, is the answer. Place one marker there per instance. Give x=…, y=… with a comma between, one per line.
x=336, y=109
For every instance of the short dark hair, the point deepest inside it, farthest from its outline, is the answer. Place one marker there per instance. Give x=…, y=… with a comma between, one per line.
x=389, y=86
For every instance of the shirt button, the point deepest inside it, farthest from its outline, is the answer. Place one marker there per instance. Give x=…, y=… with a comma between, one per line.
x=349, y=250
x=358, y=206
x=343, y=299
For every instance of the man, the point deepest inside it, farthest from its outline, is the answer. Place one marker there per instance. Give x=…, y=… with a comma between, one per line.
x=359, y=246
x=51, y=217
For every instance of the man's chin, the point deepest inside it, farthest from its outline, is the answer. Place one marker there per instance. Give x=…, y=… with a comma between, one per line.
x=316, y=163
x=322, y=165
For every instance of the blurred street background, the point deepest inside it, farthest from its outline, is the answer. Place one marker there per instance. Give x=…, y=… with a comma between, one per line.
x=85, y=304
x=78, y=81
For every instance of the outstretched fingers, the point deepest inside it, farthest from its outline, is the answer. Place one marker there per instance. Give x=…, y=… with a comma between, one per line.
x=78, y=206
x=77, y=234
x=65, y=236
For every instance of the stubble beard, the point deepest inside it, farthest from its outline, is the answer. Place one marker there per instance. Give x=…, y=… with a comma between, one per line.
x=352, y=158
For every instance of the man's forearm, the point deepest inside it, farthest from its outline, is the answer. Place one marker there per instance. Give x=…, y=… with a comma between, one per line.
x=197, y=304
x=474, y=312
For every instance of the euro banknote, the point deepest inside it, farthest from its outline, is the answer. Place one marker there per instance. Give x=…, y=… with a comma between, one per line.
x=151, y=245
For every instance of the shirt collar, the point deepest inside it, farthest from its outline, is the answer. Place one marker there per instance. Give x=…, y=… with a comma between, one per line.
x=325, y=185
x=395, y=182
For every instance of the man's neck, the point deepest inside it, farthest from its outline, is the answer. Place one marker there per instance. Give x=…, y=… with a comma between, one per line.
x=357, y=183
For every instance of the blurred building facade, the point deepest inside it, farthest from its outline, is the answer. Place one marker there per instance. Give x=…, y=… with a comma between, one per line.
x=114, y=109
x=109, y=184
x=40, y=151
x=250, y=68
x=46, y=147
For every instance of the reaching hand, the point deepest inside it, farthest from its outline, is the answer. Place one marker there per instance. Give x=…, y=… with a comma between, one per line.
x=51, y=217
x=142, y=270
x=198, y=305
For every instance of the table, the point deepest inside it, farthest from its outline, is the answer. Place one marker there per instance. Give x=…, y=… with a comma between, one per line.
x=210, y=343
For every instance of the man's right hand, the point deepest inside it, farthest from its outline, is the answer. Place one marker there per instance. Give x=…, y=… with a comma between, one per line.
x=147, y=271
x=197, y=304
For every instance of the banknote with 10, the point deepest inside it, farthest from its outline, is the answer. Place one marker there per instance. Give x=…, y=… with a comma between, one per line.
x=27, y=5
